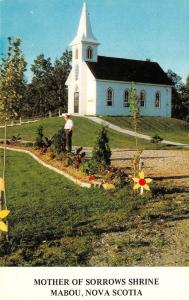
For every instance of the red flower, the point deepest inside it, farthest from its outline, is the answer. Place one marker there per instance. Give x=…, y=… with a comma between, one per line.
x=91, y=177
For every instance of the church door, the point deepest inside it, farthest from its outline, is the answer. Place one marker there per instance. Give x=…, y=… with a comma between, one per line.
x=76, y=102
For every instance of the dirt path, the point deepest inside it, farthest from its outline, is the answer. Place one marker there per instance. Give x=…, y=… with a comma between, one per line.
x=157, y=163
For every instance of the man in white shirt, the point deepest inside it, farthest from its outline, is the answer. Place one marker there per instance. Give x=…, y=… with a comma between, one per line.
x=68, y=128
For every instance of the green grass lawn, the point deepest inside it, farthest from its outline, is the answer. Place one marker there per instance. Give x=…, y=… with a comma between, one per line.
x=168, y=128
x=85, y=133
x=53, y=222
x=49, y=213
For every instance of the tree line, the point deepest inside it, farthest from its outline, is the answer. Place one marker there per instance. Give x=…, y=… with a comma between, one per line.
x=46, y=91
x=180, y=96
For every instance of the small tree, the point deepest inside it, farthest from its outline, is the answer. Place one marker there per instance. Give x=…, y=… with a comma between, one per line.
x=12, y=81
x=134, y=108
x=135, y=112
x=101, y=152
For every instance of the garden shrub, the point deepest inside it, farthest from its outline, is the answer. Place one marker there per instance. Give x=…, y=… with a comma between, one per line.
x=74, y=159
x=41, y=141
x=156, y=139
x=101, y=153
x=89, y=167
x=118, y=177
x=59, y=141
x=15, y=139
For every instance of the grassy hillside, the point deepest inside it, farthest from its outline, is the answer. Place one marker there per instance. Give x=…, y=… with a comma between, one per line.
x=56, y=223
x=168, y=128
x=85, y=133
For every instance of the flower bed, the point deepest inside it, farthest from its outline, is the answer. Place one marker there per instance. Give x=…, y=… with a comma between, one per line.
x=95, y=170
x=80, y=167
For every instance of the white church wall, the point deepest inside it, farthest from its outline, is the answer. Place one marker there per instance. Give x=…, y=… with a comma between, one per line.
x=118, y=89
x=70, y=93
x=78, y=86
x=82, y=88
x=91, y=94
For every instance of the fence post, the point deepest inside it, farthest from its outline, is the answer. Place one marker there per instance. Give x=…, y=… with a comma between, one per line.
x=20, y=120
x=59, y=112
x=50, y=114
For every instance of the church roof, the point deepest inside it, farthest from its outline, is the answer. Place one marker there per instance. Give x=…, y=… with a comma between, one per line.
x=129, y=70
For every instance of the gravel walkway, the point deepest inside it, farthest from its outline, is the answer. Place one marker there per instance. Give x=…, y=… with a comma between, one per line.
x=157, y=163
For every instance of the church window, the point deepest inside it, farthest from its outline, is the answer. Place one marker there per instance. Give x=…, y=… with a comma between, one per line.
x=126, y=99
x=76, y=54
x=89, y=53
x=142, y=98
x=157, y=99
x=76, y=72
x=109, y=97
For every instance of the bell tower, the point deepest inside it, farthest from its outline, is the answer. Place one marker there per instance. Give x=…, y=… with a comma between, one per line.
x=84, y=46
x=84, y=49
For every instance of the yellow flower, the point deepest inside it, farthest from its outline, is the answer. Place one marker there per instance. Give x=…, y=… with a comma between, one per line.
x=2, y=184
x=141, y=183
x=3, y=214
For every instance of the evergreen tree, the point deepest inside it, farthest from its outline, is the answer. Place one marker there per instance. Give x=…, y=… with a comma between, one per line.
x=12, y=81
x=101, y=152
x=59, y=141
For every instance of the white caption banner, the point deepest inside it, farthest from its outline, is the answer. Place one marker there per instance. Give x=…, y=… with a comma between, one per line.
x=94, y=283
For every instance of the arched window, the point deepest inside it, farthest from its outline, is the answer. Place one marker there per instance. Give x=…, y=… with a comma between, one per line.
x=76, y=54
x=89, y=53
x=157, y=99
x=142, y=98
x=109, y=97
x=126, y=98
x=76, y=72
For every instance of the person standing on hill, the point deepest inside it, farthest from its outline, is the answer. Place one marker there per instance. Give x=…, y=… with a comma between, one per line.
x=68, y=128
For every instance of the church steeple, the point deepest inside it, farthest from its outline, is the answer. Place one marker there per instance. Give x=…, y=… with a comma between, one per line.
x=84, y=33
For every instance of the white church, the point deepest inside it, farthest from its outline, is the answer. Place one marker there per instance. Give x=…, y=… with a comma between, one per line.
x=99, y=85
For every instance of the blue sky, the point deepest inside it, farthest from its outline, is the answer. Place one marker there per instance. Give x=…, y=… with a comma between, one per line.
x=135, y=29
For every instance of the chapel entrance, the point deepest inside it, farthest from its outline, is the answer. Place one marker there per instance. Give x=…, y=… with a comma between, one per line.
x=76, y=102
